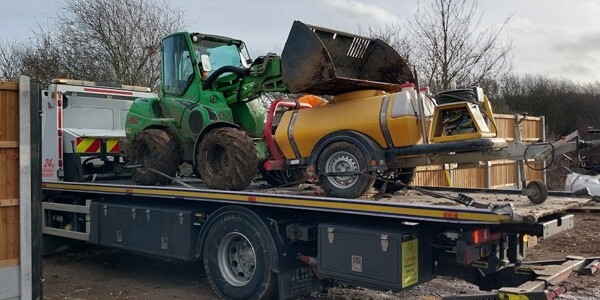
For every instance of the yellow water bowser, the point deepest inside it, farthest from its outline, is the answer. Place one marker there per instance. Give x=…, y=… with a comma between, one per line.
x=390, y=119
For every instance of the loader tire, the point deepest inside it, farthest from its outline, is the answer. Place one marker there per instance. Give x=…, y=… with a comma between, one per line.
x=227, y=159
x=405, y=175
x=344, y=157
x=158, y=150
x=276, y=178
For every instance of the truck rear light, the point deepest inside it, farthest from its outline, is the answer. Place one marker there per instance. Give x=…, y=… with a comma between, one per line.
x=60, y=163
x=60, y=132
x=481, y=235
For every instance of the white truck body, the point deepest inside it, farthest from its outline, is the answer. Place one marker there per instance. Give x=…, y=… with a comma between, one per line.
x=82, y=124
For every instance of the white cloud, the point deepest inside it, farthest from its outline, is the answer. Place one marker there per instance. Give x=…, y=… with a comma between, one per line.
x=359, y=11
x=577, y=56
x=526, y=26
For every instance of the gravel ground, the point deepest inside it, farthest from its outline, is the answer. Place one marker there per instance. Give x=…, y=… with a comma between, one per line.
x=108, y=274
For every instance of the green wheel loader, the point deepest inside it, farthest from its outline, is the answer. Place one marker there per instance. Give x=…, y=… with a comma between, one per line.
x=206, y=113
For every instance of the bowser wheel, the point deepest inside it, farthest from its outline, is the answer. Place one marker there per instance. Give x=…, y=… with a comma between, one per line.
x=227, y=159
x=344, y=157
x=154, y=149
x=405, y=175
x=536, y=191
x=238, y=259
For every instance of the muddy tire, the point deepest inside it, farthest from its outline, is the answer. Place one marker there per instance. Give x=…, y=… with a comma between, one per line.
x=154, y=149
x=344, y=157
x=405, y=175
x=276, y=178
x=227, y=159
x=238, y=259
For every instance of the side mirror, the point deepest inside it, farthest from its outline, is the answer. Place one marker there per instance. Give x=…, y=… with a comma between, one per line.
x=205, y=60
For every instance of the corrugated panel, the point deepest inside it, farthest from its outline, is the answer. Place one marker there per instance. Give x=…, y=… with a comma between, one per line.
x=9, y=174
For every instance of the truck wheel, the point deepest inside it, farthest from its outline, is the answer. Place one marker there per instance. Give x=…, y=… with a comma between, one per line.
x=344, y=157
x=291, y=177
x=405, y=175
x=238, y=260
x=227, y=159
x=154, y=149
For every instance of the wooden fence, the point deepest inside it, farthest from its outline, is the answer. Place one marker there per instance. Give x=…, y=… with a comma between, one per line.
x=9, y=190
x=493, y=174
x=9, y=174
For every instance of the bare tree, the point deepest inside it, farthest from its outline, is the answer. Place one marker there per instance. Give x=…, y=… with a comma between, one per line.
x=446, y=42
x=120, y=35
x=393, y=33
x=101, y=40
x=10, y=64
x=567, y=105
x=449, y=44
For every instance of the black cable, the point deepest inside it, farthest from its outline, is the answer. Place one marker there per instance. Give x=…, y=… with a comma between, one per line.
x=457, y=95
x=543, y=168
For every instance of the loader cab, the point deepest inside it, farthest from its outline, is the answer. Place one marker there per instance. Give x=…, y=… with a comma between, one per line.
x=189, y=58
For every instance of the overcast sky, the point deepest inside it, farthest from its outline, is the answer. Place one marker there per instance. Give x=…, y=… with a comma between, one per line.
x=558, y=38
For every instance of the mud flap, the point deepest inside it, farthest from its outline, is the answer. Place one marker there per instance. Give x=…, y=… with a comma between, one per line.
x=297, y=282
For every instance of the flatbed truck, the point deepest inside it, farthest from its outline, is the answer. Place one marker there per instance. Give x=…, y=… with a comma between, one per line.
x=263, y=243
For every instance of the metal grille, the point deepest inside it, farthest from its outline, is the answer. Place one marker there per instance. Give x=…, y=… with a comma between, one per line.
x=358, y=47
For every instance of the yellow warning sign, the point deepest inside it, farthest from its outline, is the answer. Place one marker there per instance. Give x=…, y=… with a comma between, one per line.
x=410, y=263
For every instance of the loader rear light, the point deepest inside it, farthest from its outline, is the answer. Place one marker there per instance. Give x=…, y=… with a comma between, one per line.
x=273, y=165
x=133, y=120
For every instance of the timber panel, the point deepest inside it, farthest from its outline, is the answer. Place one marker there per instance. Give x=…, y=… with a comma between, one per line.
x=9, y=174
x=503, y=173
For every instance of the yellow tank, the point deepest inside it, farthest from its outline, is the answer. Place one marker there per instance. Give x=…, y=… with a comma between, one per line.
x=368, y=112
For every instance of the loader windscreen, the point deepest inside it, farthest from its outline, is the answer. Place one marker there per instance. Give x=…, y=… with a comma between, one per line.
x=222, y=53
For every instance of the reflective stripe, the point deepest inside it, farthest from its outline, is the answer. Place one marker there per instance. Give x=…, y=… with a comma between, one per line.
x=383, y=122
x=291, y=134
x=107, y=91
x=431, y=213
x=93, y=145
x=59, y=123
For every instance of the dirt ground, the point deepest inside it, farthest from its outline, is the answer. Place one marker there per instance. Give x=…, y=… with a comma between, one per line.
x=108, y=274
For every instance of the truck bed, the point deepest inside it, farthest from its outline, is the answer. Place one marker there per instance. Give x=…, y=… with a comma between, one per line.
x=505, y=206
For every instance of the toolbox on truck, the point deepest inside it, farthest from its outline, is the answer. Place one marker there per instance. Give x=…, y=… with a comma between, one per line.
x=156, y=230
x=396, y=257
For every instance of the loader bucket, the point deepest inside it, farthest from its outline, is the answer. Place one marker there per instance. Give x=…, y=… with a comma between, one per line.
x=323, y=61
